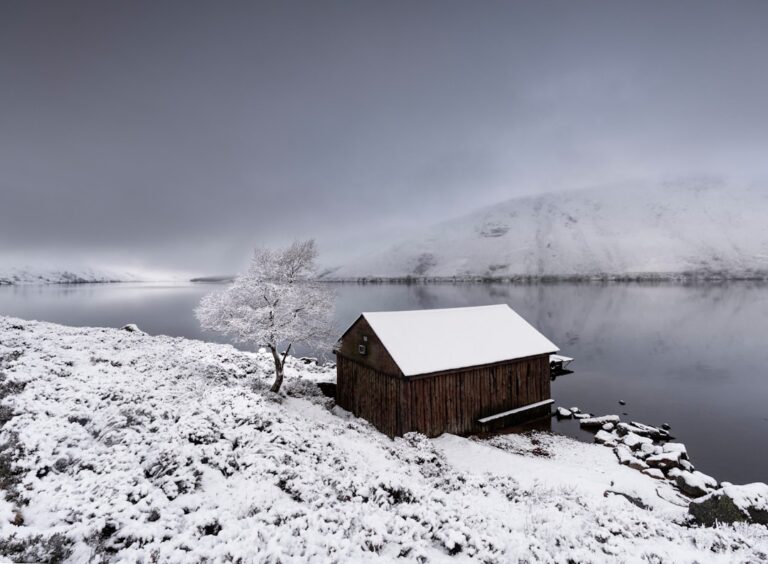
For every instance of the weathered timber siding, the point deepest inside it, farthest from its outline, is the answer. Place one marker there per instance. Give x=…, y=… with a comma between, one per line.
x=452, y=402
x=377, y=356
x=444, y=402
x=369, y=394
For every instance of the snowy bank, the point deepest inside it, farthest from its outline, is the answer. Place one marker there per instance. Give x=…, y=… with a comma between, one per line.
x=127, y=447
x=31, y=275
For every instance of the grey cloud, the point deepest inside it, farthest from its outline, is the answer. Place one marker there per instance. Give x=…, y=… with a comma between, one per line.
x=178, y=134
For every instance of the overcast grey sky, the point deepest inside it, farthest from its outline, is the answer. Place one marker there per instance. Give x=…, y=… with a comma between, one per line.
x=179, y=134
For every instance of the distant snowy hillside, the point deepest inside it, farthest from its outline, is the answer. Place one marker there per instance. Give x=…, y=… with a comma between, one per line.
x=702, y=228
x=36, y=275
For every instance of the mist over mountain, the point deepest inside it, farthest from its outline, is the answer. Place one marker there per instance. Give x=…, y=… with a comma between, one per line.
x=700, y=227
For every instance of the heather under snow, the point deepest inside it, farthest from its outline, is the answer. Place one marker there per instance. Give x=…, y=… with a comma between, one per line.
x=120, y=446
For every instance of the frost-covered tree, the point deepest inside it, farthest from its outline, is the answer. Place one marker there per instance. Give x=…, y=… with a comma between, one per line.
x=277, y=301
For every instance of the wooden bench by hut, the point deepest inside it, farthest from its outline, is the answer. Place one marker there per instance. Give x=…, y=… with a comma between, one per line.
x=459, y=370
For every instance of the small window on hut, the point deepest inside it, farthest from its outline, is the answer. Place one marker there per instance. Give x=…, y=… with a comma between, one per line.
x=362, y=347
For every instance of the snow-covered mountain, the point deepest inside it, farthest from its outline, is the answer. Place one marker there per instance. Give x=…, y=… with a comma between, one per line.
x=54, y=275
x=701, y=228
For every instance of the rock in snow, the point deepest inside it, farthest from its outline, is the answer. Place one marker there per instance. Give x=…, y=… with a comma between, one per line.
x=695, y=484
x=732, y=503
x=676, y=447
x=634, y=441
x=673, y=473
x=665, y=460
x=646, y=448
x=638, y=464
x=654, y=473
x=563, y=413
x=648, y=431
x=599, y=421
x=605, y=438
x=624, y=454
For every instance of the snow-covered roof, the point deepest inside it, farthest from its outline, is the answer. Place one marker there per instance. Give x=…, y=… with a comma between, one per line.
x=431, y=340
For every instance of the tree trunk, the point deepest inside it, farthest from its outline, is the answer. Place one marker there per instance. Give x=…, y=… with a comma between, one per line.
x=278, y=371
x=279, y=364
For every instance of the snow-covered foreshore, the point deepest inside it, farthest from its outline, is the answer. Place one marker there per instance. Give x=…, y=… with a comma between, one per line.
x=31, y=275
x=127, y=447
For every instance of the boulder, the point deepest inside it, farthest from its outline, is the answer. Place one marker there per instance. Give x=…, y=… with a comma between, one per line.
x=597, y=422
x=574, y=410
x=664, y=461
x=641, y=454
x=647, y=448
x=605, y=438
x=582, y=415
x=676, y=447
x=624, y=454
x=638, y=464
x=732, y=503
x=563, y=413
x=634, y=441
x=608, y=427
x=673, y=473
x=654, y=432
x=626, y=428
x=654, y=473
x=132, y=328
x=695, y=484
x=686, y=465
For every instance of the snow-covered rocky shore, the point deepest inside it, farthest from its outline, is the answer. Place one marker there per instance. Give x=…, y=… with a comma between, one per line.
x=120, y=446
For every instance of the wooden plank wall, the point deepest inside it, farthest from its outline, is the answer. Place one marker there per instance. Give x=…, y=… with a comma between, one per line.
x=447, y=402
x=369, y=394
x=453, y=402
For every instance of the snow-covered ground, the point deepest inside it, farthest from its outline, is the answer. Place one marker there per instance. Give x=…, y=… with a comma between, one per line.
x=699, y=227
x=127, y=447
x=54, y=275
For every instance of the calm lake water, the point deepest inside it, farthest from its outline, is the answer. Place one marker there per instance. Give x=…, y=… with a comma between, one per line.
x=695, y=357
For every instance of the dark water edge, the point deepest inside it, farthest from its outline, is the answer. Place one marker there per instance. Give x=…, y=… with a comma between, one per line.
x=691, y=355
x=702, y=276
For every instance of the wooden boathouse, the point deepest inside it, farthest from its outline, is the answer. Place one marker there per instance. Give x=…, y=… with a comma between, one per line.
x=459, y=370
